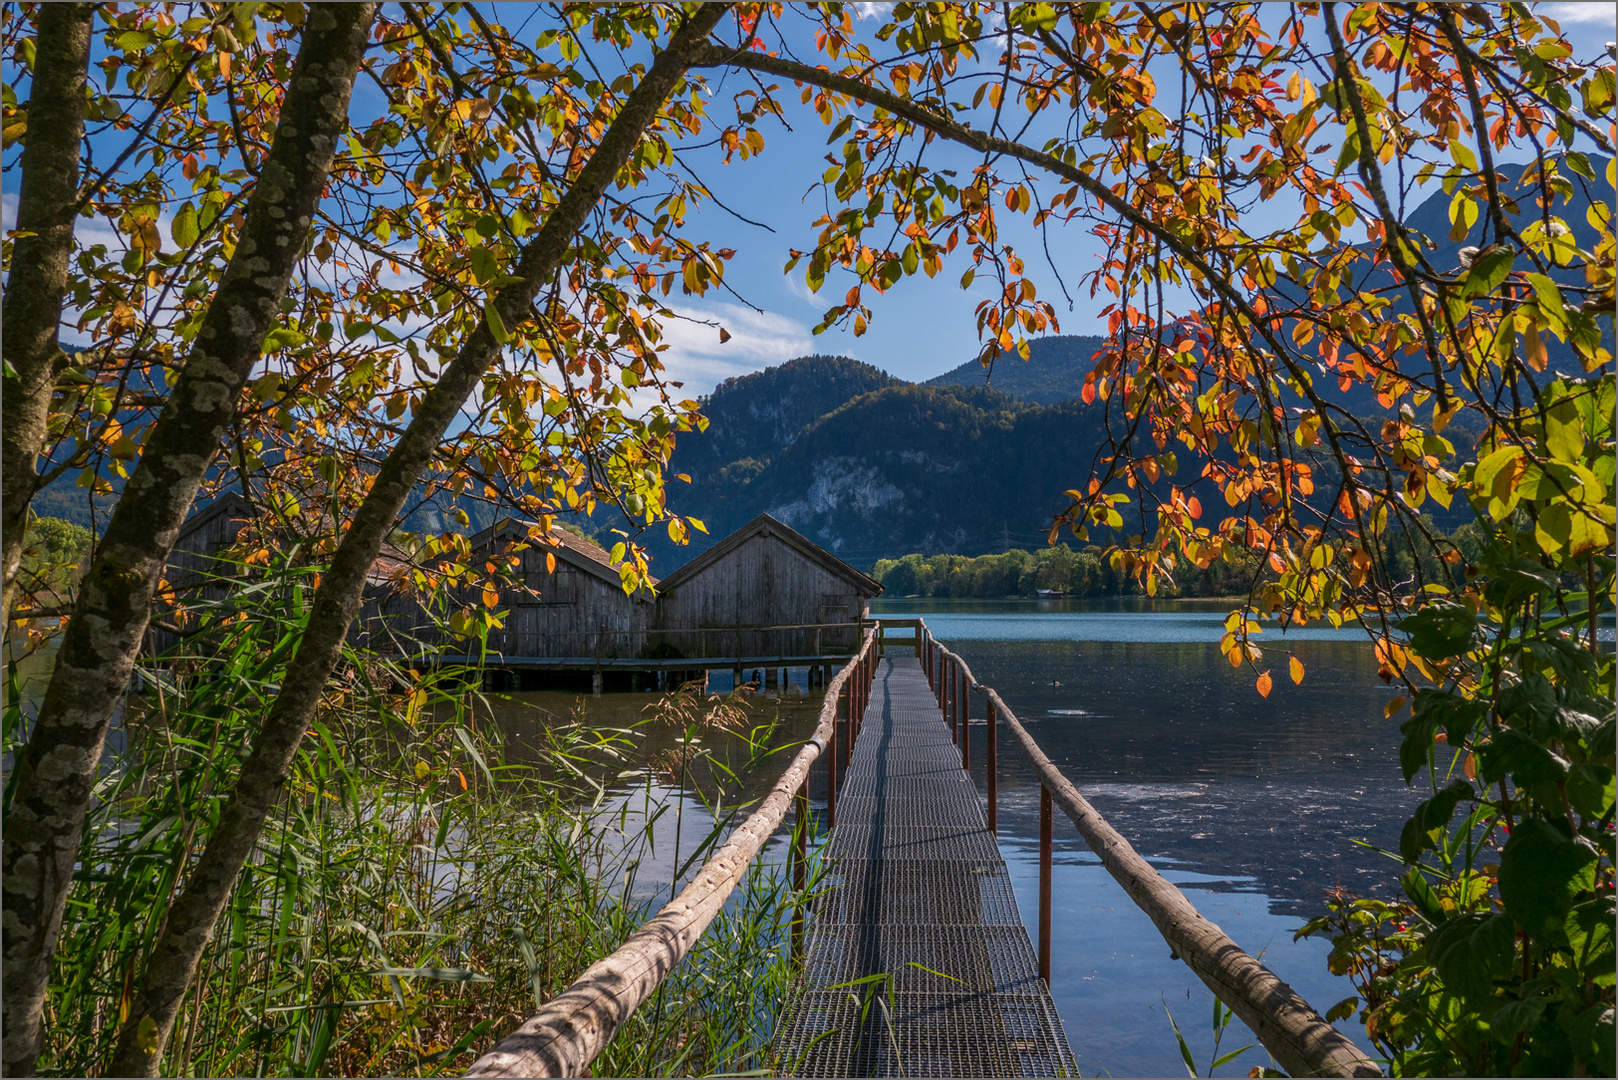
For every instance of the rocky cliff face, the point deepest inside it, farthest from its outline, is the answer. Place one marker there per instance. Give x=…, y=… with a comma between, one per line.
x=904, y=468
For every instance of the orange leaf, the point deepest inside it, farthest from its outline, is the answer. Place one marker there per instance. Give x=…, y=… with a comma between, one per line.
x=491, y=597
x=550, y=563
x=1264, y=685
x=1392, y=707
x=1296, y=667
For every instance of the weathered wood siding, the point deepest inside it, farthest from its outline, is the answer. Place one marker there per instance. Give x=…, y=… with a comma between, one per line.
x=764, y=582
x=573, y=612
x=194, y=571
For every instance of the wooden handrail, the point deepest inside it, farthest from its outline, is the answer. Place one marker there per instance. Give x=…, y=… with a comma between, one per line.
x=1301, y=1040
x=565, y=1036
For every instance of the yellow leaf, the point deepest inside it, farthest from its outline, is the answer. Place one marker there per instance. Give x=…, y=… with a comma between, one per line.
x=1392, y=707
x=422, y=770
x=1296, y=667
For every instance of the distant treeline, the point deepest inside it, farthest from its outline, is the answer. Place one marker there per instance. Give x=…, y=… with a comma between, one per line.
x=1084, y=573
x=1088, y=572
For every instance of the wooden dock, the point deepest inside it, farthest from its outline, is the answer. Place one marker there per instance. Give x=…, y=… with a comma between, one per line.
x=918, y=963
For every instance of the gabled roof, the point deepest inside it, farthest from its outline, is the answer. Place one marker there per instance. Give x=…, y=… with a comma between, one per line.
x=228, y=502
x=390, y=560
x=568, y=547
x=765, y=525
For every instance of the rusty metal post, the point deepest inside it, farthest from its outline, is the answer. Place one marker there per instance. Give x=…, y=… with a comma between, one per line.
x=1045, y=884
x=855, y=715
x=831, y=766
x=800, y=867
x=966, y=722
x=994, y=824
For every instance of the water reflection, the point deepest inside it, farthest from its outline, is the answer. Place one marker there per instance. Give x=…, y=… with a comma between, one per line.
x=661, y=779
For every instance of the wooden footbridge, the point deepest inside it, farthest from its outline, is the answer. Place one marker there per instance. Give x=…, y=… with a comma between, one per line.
x=917, y=962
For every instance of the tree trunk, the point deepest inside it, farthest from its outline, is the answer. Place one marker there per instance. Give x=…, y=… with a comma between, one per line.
x=191, y=920
x=46, y=197
x=58, y=768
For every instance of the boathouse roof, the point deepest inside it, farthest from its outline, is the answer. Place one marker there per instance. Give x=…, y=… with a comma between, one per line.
x=567, y=546
x=228, y=506
x=765, y=525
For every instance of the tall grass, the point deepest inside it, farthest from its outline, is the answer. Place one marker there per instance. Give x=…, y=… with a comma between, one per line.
x=416, y=896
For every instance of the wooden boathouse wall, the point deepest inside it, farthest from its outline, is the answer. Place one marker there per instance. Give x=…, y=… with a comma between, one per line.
x=763, y=591
x=390, y=617
x=579, y=611
x=765, y=594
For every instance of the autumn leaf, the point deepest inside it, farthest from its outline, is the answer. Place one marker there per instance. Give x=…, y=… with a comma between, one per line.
x=1264, y=684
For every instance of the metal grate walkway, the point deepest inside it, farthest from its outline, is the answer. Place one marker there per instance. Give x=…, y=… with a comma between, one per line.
x=918, y=893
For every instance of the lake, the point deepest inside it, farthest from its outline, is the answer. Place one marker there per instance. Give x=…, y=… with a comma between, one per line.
x=1252, y=806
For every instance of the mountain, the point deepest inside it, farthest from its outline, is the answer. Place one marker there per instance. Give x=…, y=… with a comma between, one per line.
x=754, y=416
x=959, y=469
x=1053, y=372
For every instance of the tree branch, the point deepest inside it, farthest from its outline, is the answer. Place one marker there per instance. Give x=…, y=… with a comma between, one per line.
x=191, y=921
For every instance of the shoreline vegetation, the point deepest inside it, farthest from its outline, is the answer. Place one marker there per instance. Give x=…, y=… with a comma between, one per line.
x=1091, y=573
x=422, y=888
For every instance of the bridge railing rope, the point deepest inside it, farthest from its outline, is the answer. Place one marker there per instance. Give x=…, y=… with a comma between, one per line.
x=1301, y=1040
x=565, y=1036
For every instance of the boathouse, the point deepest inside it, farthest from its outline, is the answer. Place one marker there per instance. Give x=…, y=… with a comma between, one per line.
x=565, y=603
x=764, y=597
x=199, y=575
x=765, y=593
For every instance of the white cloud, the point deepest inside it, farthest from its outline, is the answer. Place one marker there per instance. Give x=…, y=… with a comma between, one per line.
x=873, y=11
x=1580, y=14
x=697, y=358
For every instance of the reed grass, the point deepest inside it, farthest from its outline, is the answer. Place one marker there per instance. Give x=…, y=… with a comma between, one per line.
x=417, y=896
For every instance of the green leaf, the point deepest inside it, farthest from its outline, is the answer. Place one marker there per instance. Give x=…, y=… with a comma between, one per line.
x=1440, y=630
x=1541, y=872
x=1488, y=272
x=1415, y=886
x=185, y=228
x=1529, y=763
x=1530, y=706
x=1589, y=928
x=497, y=325
x=283, y=338
x=1590, y=789
x=1343, y=1009
x=1471, y=950
x=485, y=267
x=1564, y=429
x=1517, y=1017
x=1431, y=818
x=1488, y=470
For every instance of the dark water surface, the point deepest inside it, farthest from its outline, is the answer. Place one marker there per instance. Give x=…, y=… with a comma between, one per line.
x=1252, y=806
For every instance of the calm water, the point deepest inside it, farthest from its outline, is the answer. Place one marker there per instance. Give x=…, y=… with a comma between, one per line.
x=1252, y=806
